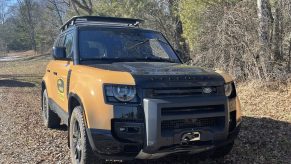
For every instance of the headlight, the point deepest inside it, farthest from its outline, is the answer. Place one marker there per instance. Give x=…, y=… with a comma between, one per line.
x=122, y=93
x=228, y=89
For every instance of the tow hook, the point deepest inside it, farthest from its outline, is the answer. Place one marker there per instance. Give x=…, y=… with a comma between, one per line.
x=187, y=138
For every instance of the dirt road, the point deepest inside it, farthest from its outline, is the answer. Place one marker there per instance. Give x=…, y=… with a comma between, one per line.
x=265, y=135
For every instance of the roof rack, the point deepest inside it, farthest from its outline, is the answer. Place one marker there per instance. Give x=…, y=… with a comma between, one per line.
x=98, y=20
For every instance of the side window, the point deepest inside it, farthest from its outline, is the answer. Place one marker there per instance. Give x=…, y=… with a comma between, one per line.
x=69, y=45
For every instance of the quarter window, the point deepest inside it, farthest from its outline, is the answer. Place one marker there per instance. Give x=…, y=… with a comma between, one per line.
x=69, y=45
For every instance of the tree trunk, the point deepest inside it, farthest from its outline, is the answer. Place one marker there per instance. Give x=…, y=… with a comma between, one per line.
x=28, y=6
x=277, y=45
x=264, y=16
x=86, y=5
x=180, y=41
x=75, y=9
x=55, y=4
x=289, y=60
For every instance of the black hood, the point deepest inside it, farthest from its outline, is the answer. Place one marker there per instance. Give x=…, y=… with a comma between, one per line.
x=146, y=73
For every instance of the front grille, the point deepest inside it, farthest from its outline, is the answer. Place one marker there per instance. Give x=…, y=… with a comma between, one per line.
x=192, y=123
x=187, y=91
x=192, y=110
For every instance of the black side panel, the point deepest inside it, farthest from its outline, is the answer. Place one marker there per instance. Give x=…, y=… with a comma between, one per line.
x=59, y=111
x=68, y=81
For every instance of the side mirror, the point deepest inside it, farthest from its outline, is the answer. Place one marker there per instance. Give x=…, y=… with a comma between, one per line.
x=59, y=53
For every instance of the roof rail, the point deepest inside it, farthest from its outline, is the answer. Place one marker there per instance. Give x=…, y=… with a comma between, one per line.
x=98, y=20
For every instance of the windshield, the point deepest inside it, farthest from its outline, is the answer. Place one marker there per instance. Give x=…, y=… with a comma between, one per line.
x=124, y=44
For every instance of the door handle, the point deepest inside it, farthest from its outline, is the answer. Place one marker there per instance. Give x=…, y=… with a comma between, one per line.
x=55, y=73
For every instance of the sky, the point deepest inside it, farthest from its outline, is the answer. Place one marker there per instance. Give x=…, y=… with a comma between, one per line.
x=9, y=2
x=4, y=9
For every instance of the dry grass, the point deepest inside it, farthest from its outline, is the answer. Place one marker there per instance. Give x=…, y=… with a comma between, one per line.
x=26, y=53
x=270, y=100
x=265, y=135
x=266, y=130
x=27, y=69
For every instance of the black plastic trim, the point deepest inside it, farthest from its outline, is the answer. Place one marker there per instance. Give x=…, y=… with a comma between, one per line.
x=73, y=95
x=105, y=146
x=103, y=140
x=59, y=111
x=68, y=81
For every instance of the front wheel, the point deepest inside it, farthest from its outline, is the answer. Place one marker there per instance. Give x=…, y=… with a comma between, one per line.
x=81, y=151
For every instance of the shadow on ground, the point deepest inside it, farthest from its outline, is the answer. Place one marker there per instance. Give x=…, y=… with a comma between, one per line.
x=13, y=76
x=15, y=83
x=261, y=140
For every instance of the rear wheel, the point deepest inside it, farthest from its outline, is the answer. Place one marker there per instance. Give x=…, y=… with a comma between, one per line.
x=81, y=151
x=50, y=119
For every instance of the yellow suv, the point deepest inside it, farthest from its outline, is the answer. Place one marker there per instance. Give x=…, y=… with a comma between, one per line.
x=125, y=94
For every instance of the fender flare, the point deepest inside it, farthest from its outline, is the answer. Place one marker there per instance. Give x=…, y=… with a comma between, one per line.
x=70, y=110
x=43, y=87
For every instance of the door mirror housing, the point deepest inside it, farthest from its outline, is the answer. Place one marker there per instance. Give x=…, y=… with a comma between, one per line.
x=59, y=53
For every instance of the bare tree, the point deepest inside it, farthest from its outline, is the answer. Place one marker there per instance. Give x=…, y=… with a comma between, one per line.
x=264, y=16
x=2, y=12
x=85, y=5
x=28, y=18
x=57, y=9
x=180, y=41
x=278, y=31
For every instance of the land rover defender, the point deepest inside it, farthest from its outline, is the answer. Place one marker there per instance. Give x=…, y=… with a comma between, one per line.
x=125, y=94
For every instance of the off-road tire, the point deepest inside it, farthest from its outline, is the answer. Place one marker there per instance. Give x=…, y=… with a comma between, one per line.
x=81, y=151
x=222, y=151
x=50, y=119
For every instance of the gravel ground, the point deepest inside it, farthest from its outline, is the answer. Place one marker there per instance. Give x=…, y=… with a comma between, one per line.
x=265, y=135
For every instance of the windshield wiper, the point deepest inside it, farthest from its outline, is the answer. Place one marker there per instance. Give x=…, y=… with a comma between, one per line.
x=147, y=40
x=102, y=58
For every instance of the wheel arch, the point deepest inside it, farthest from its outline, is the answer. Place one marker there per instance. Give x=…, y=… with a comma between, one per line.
x=74, y=101
x=43, y=87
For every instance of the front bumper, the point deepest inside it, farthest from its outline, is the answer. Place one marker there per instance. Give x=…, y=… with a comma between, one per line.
x=191, y=149
x=153, y=140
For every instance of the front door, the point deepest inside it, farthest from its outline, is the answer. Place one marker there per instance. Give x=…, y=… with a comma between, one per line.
x=62, y=73
x=61, y=83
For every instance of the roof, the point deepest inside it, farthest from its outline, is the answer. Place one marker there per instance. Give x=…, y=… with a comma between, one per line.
x=98, y=20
